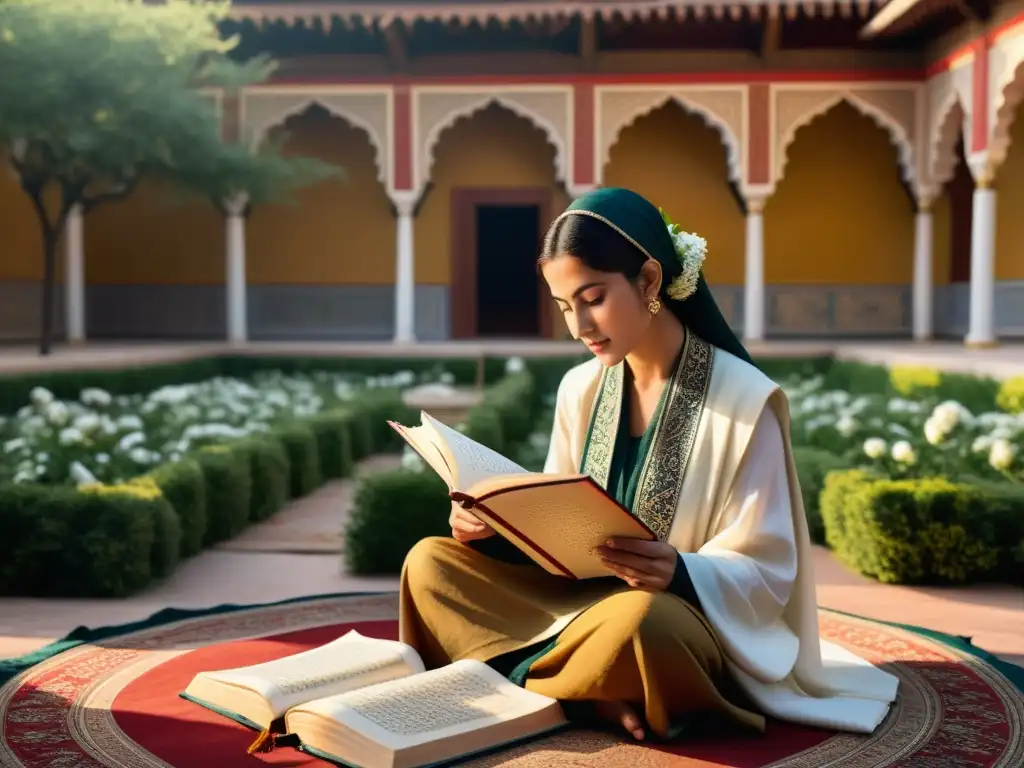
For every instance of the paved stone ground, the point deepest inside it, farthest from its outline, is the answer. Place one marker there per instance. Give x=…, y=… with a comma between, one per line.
x=297, y=553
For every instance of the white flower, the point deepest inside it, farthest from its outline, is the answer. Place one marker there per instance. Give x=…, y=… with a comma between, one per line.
x=846, y=425
x=131, y=440
x=87, y=422
x=102, y=458
x=935, y=431
x=1002, y=454
x=95, y=397
x=71, y=436
x=982, y=444
x=57, y=413
x=80, y=474
x=875, y=447
x=903, y=452
x=40, y=397
x=14, y=445
x=514, y=365
x=129, y=421
x=142, y=456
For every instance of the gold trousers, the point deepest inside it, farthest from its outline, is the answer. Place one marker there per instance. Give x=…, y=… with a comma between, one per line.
x=653, y=651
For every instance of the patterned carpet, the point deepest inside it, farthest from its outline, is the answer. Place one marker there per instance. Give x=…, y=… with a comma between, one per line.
x=111, y=699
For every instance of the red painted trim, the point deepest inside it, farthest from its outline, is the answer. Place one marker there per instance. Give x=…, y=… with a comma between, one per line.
x=979, y=96
x=738, y=78
x=403, y=138
x=759, y=132
x=989, y=37
x=583, y=134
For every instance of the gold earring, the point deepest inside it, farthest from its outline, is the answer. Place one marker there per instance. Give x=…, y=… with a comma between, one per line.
x=654, y=306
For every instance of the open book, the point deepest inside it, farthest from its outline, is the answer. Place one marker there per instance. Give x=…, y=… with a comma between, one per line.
x=557, y=520
x=369, y=703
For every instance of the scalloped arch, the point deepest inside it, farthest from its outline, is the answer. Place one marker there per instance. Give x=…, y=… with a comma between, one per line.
x=468, y=110
x=659, y=100
x=902, y=142
x=1010, y=96
x=942, y=157
x=301, y=105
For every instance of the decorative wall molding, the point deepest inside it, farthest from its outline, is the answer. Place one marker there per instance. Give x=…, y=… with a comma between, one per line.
x=949, y=96
x=724, y=107
x=366, y=108
x=893, y=106
x=437, y=108
x=1006, y=90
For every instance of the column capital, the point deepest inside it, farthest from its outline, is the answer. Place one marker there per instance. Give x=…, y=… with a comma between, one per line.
x=237, y=204
x=404, y=201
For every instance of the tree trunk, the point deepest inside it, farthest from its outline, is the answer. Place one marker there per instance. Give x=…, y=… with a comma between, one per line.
x=49, y=284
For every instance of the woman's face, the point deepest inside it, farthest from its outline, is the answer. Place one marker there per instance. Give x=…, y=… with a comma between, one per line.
x=604, y=310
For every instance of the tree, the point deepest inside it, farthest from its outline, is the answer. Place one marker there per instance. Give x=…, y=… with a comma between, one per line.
x=99, y=94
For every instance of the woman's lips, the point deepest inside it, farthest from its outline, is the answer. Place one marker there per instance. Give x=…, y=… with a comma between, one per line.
x=597, y=346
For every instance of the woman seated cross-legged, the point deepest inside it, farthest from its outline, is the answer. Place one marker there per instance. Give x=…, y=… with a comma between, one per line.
x=716, y=621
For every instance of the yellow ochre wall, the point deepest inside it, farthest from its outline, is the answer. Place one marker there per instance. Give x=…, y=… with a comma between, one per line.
x=678, y=162
x=155, y=237
x=840, y=214
x=1010, y=206
x=21, y=244
x=336, y=232
x=493, y=148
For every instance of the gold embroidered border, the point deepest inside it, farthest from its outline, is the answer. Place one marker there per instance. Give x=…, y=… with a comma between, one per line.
x=664, y=471
x=604, y=424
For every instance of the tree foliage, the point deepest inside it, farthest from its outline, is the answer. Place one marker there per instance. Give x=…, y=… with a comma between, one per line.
x=99, y=94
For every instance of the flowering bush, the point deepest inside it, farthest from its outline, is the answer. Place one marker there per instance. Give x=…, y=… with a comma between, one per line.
x=103, y=438
x=905, y=438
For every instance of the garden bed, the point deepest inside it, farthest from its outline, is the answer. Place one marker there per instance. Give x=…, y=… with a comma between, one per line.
x=109, y=478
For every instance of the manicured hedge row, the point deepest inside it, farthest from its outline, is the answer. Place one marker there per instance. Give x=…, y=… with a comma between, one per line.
x=111, y=541
x=925, y=530
x=393, y=510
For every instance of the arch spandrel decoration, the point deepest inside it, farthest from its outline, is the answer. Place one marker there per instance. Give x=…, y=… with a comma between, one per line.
x=437, y=109
x=721, y=107
x=366, y=110
x=893, y=109
x=949, y=98
x=1006, y=90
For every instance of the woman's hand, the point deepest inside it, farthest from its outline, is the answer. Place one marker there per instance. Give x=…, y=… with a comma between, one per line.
x=646, y=565
x=466, y=527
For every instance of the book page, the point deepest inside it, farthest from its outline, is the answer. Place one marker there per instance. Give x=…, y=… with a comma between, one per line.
x=462, y=696
x=473, y=461
x=348, y=663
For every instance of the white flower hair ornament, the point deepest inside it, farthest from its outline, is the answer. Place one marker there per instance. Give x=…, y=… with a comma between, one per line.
x=691, y=250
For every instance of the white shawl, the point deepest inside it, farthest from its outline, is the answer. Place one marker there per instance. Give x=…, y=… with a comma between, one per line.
x=738, y=520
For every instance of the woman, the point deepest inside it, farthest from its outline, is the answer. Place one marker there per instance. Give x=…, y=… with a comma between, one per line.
x=718, y=618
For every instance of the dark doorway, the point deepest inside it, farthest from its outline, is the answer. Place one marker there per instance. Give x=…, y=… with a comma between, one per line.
x=506, y=278
x=496, y=290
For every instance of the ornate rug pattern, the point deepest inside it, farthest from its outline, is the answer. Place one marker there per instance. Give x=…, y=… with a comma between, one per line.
x=115, y=702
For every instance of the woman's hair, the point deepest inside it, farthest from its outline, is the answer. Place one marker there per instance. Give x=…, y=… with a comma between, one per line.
x=595, y=244
x=603, y=249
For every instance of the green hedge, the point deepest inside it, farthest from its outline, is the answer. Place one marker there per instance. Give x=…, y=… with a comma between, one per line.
x=394, y=510
x=108, y=541
x=812, y=466
x=924, y=531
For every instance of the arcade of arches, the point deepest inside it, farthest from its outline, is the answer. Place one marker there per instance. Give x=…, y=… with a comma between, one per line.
x=838, y=237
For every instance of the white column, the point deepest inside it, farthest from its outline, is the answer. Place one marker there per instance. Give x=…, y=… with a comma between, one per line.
x=753, y=283
x=983, y=264
x=405, y=270
x=923, y=283
x=238, y=325
x=74, y=277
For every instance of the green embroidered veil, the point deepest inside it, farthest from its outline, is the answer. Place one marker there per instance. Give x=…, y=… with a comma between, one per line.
x=633, y=217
